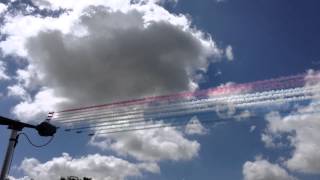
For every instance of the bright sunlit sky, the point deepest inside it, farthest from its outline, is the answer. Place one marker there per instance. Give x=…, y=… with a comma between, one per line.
x=70, y=53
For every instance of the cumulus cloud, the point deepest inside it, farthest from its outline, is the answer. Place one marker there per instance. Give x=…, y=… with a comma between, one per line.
x=264, y=170
x=3, y=8
x=119, y=58
x=42, y=4
x=304, y=137
x=79, y=4
x=252, y=128
x=220, y=1
x=20, y=178
x=18, y=91
x=95, y=166
x=149, y=145
x=100, y=51
x=114, y=51
x=28, y=78
x=194, y=126
x=229, y=53
x=300, y=131
x=3, y=75
x=34, y=109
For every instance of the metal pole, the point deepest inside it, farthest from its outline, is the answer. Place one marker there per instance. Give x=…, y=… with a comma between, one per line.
x=9, y=154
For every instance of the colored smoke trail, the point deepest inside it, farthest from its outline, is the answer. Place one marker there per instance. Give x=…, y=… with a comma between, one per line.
x=258, y=86
x=236, y=100
x=153, y=111
x=179, y=113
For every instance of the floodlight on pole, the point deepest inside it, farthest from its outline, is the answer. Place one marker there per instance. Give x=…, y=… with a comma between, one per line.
x=44, y=129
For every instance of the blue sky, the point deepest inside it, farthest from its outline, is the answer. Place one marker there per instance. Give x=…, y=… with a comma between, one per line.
x=269, y=39
x=277, y=37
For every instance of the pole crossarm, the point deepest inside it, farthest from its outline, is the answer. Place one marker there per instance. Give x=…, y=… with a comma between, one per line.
x=15, y=125
x=44, y=128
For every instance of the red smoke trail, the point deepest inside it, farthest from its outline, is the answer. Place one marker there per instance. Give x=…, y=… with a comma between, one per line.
x=235, y=100
x=258, y=86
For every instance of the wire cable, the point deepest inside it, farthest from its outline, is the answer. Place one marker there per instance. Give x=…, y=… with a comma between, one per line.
x=35, y=145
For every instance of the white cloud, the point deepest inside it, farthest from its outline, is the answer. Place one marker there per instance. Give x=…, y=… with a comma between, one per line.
x=3, y=75
x=29, y=78
x=305, y=138
x=165, y=1
x=21, y=178
x=17, y=34
x=18, y=91
x=301, y=129
x=67, y=22
x=194, y=126
x=3, y=8
x=42, y=4
x=78, y=5
x=36, y=109
x=220, y=1
x=149, y=145
x=229, y=53
x=140, y=55
x=264, y=170
x=68, y=52
x=268, y=141
x=118, y=50
x=252, y=128
x=116, y=55
x=95, y=166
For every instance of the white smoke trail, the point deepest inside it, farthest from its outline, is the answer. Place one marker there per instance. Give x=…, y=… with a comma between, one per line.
x=226, y=99
x=130, y=121
x=185, y=106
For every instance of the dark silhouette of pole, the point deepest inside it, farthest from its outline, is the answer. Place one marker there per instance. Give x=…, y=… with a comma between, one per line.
x=44, y=129
x=9, y=154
